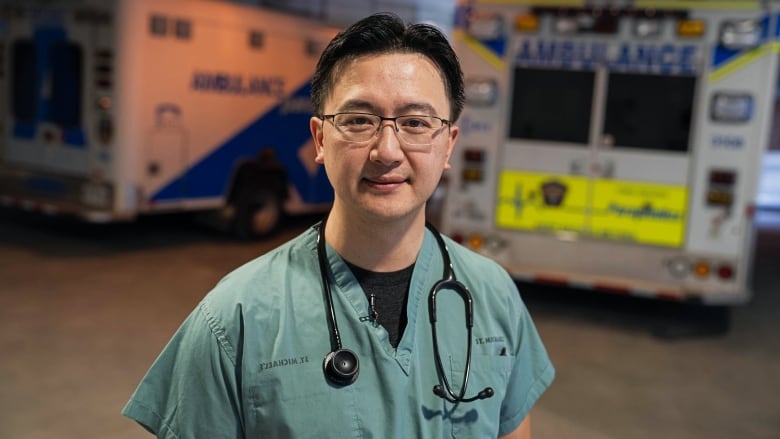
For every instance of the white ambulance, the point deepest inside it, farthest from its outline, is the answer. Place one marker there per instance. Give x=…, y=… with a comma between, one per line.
x=113, y=109
x=615, y=146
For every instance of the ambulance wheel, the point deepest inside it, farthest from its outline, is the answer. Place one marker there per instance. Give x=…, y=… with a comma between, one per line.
x=257, y=215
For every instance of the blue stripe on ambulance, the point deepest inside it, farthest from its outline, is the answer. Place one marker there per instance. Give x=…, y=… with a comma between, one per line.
x=284, y=133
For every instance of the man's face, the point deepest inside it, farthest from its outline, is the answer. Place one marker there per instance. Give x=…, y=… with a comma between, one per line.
x=385, y=179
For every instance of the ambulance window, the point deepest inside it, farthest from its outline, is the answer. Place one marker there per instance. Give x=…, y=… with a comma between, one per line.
x=23, y=79
x=649, y=111
x=66, y=61
x=551, y=105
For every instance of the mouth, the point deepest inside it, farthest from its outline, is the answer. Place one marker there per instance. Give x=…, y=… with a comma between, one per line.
x=384, y=184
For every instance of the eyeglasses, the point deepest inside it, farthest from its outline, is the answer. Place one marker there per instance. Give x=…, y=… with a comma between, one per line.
x=412, y=130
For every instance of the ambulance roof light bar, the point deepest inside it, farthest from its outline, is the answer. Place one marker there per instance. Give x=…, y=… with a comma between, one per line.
x=604, y=20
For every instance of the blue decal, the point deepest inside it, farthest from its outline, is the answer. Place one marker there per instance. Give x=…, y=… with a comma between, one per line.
x=777, y=26
x=283, y=131
x=24, y=130
x=74, y=137
x=221, y=82
x=728, y=141
x=462, y=14
x=469, y=125
x=45, y=185
x=49, y=32
x=497, y=46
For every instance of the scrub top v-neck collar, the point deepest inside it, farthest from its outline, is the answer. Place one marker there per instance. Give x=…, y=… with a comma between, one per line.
x=427, y=271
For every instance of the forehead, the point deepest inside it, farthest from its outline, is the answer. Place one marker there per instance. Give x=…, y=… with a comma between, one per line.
x=389, y=83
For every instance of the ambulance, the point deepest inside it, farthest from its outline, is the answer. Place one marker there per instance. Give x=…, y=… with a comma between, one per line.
x=615, y=146
x=114, y=109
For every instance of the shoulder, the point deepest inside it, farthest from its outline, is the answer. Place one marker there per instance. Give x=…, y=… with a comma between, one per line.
x=264, y=282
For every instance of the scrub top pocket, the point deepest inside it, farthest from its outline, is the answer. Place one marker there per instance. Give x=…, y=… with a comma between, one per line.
x=299, y=404
x=468, y=419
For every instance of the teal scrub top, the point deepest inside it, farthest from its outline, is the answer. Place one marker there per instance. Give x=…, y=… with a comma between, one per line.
x=247, y=362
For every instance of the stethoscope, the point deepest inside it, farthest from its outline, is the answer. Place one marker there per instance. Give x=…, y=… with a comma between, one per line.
x=341, y=366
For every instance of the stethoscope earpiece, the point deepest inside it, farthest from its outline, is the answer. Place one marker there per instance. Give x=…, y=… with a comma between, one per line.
x=341, y=367
x=438, y=390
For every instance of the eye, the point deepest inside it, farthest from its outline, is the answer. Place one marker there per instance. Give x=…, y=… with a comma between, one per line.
x=416, y=122
x=358, y=120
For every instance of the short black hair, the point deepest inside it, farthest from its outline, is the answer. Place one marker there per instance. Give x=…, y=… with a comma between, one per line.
x=385, y=33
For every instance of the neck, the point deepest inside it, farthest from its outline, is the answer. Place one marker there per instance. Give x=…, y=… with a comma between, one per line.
x=382, y=247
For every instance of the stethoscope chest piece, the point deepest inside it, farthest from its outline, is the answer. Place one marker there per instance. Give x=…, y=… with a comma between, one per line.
x=341, y=367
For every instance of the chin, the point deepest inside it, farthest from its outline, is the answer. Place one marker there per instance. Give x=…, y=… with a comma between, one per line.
x=394, y=213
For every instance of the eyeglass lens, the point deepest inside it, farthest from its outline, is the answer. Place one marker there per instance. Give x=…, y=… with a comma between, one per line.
x=418, y=130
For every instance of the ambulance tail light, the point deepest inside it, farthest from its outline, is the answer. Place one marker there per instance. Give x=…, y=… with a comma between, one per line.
x=740, y=34
x=681, y=268
x=690, y=28
x=702, y=269
x=457, y=237
x=473, y=165
x=726, y=272
x=721, y=188
x=476, y=241
x=474, y=156
x=104, y=68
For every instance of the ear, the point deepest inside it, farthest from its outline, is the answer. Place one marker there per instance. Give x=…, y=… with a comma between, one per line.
x=454, y=131
x=315, y=126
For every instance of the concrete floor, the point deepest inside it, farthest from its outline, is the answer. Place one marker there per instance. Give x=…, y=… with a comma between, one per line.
x=85, y=310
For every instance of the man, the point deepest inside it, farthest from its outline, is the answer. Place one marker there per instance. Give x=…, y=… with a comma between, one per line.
x=349, y=330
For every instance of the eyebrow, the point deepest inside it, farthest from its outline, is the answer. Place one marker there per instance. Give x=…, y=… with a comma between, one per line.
x=366, y=106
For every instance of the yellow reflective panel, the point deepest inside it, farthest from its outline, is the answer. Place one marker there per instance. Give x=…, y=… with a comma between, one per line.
x=645, y=213
x=534, y=201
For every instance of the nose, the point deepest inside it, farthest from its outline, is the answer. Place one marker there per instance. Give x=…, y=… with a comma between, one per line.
x=387, y=149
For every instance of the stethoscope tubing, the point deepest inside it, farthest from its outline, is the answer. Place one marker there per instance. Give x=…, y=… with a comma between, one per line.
x=341, y=366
